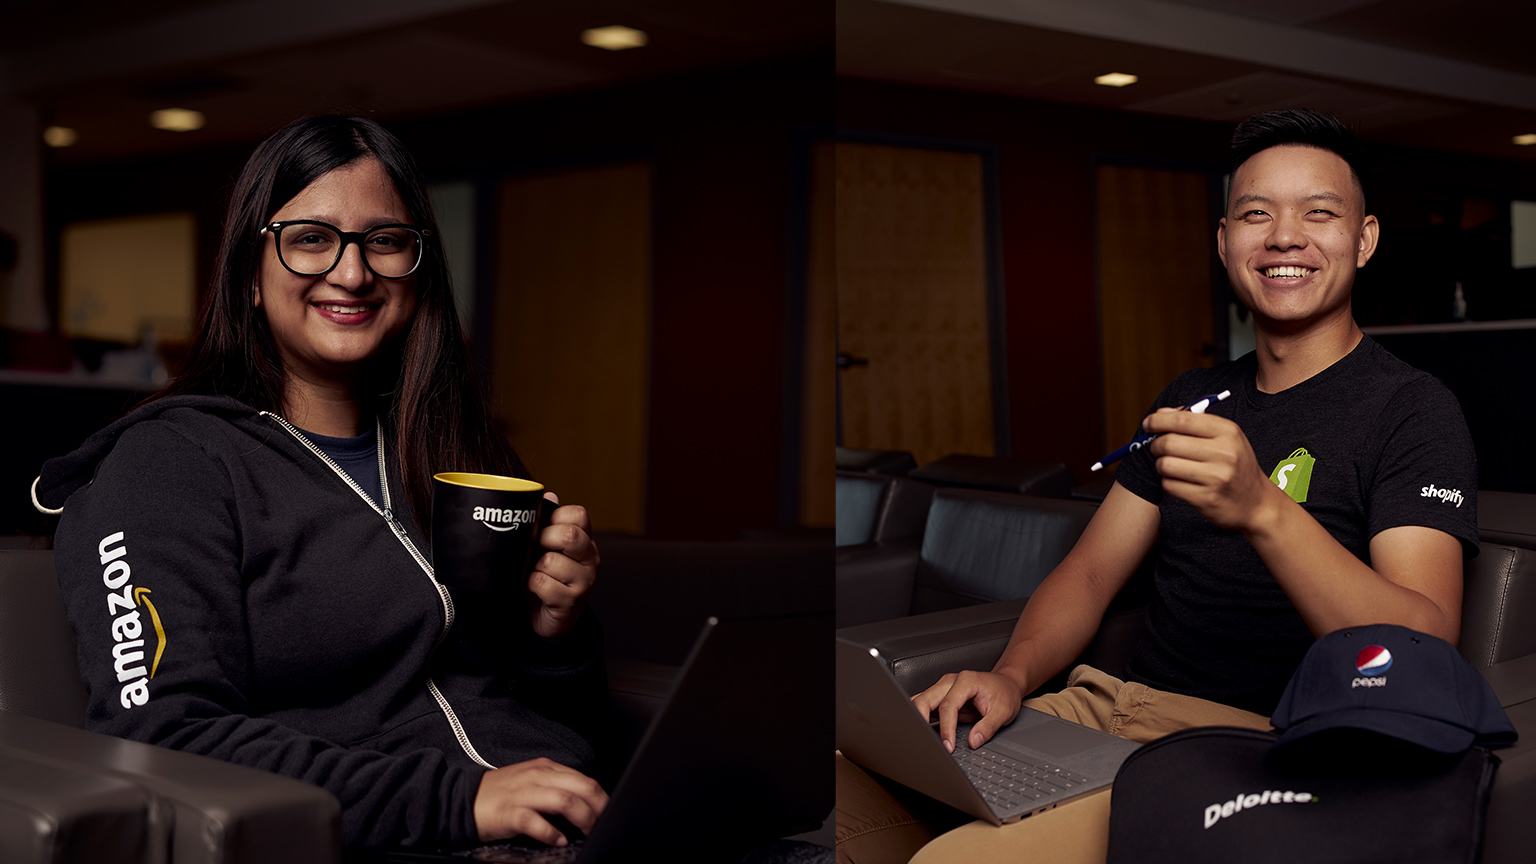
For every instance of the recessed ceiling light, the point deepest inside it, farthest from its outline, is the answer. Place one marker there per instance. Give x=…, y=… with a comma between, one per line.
x=1526, y=139
x=176, y=120
x=1116, y=79
x=60, y=136
x=614, y=38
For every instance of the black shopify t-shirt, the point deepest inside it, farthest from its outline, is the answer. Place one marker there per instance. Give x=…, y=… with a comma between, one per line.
x=1369, y=443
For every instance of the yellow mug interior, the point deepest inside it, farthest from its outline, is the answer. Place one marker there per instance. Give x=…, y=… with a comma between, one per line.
x=488, y=481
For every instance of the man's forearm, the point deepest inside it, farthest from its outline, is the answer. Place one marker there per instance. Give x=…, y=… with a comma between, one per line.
x=1057, y=624
x=1333, y=589
x=1065, y=611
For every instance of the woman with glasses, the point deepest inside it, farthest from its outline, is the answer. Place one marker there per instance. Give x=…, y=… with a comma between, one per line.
x=241, y=556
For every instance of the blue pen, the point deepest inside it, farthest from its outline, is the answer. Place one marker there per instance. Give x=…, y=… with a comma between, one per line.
x=1197, y=407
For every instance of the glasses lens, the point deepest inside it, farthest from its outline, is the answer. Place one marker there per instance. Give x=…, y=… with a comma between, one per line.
x=308, y=249
x=392, y=252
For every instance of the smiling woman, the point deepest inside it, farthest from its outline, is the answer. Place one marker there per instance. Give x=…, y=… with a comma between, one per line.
x=405, y=342
x=298, y=624
x=330, y=306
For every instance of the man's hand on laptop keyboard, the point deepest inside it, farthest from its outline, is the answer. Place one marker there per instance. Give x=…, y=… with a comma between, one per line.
x=992, y=696
x=512, y=800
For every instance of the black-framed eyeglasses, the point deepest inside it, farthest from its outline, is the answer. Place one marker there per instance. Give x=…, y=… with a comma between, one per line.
x=310, y=248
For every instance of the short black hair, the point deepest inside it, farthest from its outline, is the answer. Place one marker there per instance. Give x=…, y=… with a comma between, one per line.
x=1302, y=127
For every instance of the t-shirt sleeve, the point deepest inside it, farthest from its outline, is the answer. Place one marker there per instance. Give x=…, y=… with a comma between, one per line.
x=149, y=566
x=1138, y=471
x=1427, y=472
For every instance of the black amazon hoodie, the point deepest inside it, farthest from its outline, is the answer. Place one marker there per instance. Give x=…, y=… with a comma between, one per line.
x=233, y=594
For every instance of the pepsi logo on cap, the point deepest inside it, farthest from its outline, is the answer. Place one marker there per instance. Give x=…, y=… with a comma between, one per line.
x=1373, y=660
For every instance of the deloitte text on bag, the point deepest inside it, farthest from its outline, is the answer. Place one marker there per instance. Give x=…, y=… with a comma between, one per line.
x=1215, y=794
x=1381, y=757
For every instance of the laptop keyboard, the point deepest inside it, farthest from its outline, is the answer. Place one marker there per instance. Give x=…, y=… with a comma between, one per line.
x=514, y=853
x=1008, y=782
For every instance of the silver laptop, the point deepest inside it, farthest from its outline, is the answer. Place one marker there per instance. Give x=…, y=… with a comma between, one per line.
x=1033, y=764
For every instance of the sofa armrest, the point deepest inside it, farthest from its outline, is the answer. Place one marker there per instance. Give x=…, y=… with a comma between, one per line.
x=50, y=813
x=219, y=813
x=921, y=648
x=1510, y=833
x=1513, y=681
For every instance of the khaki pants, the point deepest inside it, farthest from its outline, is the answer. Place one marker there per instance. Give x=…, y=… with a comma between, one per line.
x=879, y=822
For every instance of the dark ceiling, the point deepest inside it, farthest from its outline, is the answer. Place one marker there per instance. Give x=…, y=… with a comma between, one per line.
x=102, y=67
x=1428, y=73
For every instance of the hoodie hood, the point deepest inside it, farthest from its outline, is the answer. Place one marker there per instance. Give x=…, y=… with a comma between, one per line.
x=63, y=476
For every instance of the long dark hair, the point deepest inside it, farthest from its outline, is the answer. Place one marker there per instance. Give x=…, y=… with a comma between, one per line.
x=430, y=401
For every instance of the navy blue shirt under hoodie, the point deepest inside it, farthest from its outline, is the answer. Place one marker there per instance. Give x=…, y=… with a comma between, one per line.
x=358, y=456
x=232, y=596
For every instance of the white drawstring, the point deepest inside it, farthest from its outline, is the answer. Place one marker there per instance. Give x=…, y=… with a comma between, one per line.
x=38, y=504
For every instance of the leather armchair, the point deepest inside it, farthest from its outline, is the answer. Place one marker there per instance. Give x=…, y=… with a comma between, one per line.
x=71, y=795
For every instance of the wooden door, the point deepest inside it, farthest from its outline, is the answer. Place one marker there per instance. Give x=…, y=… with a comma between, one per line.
x=573, y=295
x=1156, y=239
x=911, y=269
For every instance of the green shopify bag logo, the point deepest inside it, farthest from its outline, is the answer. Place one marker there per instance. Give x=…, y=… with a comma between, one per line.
x=1294, y=475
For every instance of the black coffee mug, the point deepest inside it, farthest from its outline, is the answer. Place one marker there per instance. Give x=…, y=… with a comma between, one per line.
x=485, y=534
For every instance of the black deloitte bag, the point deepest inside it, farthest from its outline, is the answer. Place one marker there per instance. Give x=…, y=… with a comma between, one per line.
x=1218, y=794
x=1381, y=759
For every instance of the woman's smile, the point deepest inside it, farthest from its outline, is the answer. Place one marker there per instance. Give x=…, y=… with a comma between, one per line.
x=329, y=327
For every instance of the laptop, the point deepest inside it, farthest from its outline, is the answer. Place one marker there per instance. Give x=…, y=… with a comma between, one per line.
x=735, y=758
x=1033, y=764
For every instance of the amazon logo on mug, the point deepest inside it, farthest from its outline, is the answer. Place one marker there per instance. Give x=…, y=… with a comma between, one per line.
x=511, y=518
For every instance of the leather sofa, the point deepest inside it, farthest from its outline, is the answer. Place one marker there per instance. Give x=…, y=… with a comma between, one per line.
x=1507, y=517
x=920, y=648
x=976, y=547
x=880, y=508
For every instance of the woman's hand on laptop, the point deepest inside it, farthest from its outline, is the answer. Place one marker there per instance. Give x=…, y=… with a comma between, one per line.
x=512, y=801
x=990, y=696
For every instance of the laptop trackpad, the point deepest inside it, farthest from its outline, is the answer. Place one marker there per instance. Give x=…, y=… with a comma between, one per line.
x=1052, y=738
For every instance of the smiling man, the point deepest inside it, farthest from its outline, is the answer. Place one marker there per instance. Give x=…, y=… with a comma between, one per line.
x=1298, y=506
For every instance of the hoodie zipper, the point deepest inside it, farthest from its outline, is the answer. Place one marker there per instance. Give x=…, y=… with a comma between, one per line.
x=426, y=566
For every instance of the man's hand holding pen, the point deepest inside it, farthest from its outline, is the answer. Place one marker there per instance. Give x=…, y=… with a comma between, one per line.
x=1206, y=461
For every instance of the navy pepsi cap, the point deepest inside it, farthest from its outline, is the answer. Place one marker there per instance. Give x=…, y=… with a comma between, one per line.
x=1395, y=681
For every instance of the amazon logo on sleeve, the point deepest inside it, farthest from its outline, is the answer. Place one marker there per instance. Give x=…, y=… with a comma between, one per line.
x=133, y=613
